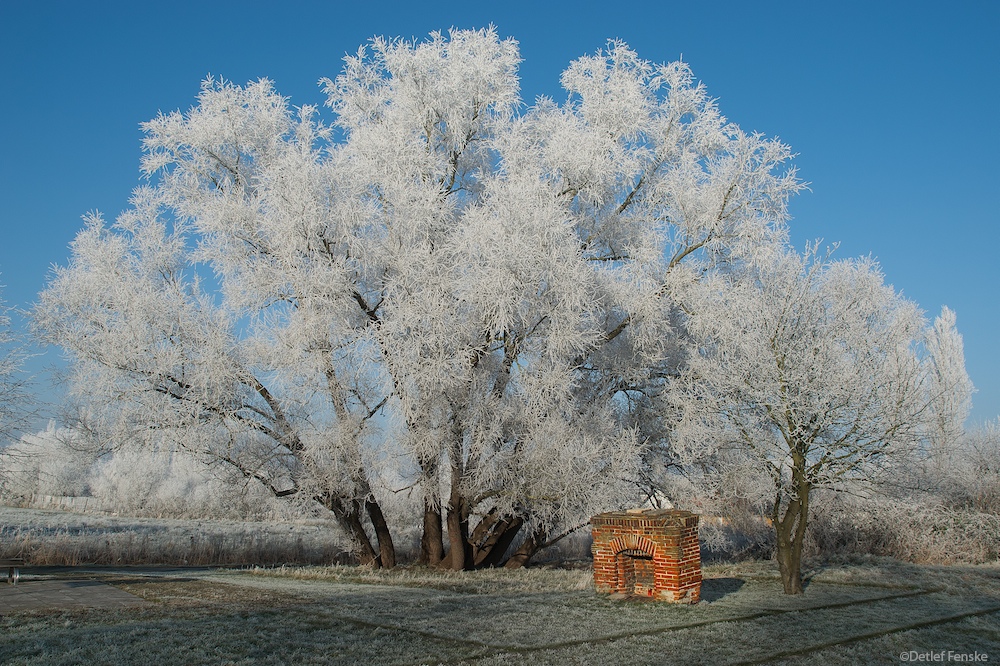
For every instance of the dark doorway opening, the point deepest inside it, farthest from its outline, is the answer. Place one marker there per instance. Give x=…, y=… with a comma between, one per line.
x=636, y=573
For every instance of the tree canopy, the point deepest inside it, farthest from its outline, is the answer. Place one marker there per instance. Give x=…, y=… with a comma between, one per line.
x=814, y=373
x=436, y=289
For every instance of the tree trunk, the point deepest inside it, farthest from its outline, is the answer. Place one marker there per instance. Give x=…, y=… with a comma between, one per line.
x=489, y=552
x=526, y=551
x=432, y=538
x=460, y=552
x=386, y=549
x=483, y=529
x=460, y=549
x=790, y=531
x=349, y=518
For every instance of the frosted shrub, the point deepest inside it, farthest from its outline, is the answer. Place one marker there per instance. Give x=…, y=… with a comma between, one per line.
x=940, y=510
x=48, y=538
x=970, y=476
x=722, y=540
x=907, y=529
x=176, y=484
x=54, y=461
x=126, y=481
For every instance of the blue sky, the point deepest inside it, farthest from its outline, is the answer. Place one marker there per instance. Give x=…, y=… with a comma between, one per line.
x=891, y=107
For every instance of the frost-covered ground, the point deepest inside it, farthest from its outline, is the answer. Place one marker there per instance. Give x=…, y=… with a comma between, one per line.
x=62, y=538
x=864, y=611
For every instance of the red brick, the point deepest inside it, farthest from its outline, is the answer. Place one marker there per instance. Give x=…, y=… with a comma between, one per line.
x=654, y=553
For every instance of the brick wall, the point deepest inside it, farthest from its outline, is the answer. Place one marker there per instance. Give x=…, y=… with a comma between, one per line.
x=648, y=553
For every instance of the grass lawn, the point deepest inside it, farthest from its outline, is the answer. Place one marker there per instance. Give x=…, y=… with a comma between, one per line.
x=862, y=611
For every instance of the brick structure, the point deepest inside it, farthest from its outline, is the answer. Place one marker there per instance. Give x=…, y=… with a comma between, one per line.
x=649, y=553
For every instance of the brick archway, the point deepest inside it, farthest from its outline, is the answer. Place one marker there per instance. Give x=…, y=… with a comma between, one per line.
x=651, y=553
x=633, y=542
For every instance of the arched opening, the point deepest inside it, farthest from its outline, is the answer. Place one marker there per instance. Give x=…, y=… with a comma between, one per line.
x=635, y=573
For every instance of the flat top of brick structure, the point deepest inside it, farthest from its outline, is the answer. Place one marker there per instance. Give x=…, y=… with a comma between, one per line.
x=664, y=515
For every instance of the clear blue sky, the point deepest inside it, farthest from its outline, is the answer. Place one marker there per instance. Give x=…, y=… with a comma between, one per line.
x=891, y=106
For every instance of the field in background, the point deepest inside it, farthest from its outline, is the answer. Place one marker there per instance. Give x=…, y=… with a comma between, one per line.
x=861, y=611
x=60, y=538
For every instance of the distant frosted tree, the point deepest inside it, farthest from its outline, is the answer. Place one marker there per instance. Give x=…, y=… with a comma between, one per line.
x=815, y=372
x=54, y=461
x=495, y=287
x=952, y=388
x=14, y=395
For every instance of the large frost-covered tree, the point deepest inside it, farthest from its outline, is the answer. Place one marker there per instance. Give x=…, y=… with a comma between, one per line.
x=491, y=287
x=813, y=372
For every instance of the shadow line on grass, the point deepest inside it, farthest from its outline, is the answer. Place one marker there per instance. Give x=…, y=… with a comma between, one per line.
x=868, y=636
x=517, y=649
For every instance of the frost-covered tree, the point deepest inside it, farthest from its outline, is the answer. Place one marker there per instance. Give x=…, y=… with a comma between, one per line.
x=951, y=387
x=54, y=461
x=14, y=395
x=813, y=372
x=491, y=287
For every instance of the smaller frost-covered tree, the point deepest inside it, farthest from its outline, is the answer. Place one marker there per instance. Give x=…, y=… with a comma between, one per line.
x=814, y=372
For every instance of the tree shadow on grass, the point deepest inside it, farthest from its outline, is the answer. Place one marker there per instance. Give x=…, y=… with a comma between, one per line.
x=713, y=589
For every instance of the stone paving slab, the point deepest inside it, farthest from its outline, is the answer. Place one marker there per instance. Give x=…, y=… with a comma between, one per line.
x=63, y=593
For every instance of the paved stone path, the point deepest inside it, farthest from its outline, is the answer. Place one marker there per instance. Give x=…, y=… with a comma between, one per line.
x=63, y=593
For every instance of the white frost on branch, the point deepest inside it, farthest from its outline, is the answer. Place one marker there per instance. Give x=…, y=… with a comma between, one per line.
x=512, y=292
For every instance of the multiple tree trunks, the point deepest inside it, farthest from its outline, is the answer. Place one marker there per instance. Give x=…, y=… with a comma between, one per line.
x=622, y=543
x=485, y=547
